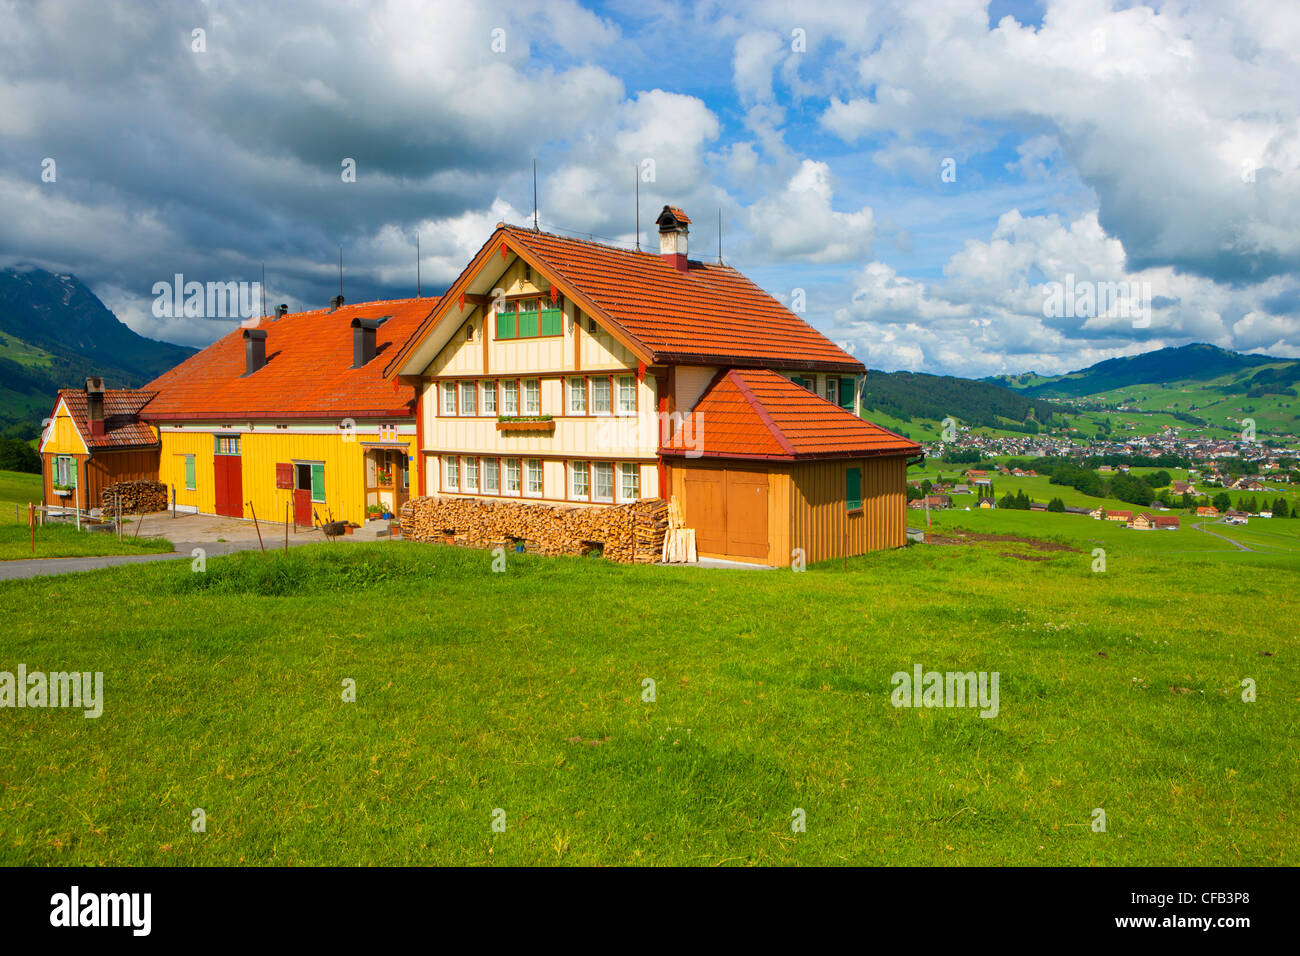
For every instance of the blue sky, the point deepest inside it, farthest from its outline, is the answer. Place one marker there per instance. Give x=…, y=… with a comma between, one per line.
x=1155, y=146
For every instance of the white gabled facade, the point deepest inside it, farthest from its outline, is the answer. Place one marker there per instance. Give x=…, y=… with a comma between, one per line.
x=594, y=438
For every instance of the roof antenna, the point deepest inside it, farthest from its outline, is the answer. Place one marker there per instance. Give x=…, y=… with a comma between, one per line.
x=719, y=235
x=636, y=178
x=340, y=270
x=534, y=195
x=263, y=290
x=417, y=263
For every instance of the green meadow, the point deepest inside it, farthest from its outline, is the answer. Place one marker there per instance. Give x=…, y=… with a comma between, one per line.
x=608, y=714
x=55, y=540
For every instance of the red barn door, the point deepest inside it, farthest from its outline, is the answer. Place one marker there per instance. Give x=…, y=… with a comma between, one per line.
x=228, y=483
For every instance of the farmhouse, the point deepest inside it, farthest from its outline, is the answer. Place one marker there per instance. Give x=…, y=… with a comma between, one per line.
x=292, y=418
x=1166, y=522
x=558, y=370
x=1207, y=511
x=95, y=437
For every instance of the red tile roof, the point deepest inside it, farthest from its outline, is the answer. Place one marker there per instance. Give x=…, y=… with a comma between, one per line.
x=308, y=371
x=122, y=427
x=757, y=413
x=710, y=313
x=678, y=214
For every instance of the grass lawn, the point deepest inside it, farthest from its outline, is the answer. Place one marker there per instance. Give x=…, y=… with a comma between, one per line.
x=17, y=488
x=523, y=691
x=65, y=541
x=56, y=540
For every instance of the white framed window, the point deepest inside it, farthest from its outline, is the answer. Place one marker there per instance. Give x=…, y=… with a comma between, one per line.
x=604, y=473
x=579, y=480
x=489, y=398
x=512, y=477
x=832, y=390
x=535, y=477
x=600, y=401
x=630, y=481
x=471, y=474
x=450, y=473
x=65, y=471
x=577, y=396
x=510, y=398
x=491, y=476
x=449, y=398
x=532, y=397
x=468, y=398
x=626, y=395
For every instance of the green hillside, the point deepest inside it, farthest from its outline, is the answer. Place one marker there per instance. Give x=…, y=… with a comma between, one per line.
x=53, y=333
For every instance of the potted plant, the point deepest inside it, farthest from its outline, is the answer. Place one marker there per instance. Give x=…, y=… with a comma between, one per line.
x=62, y=490
x=374, y=512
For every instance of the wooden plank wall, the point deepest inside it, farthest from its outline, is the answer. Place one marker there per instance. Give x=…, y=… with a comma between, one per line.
x=823, y=526
x=107, y=467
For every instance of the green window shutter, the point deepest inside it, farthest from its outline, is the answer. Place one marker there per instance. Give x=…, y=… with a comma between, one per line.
x=189, y=472
x=317, y=482
x=853, y=490
x=846, y=393
x=528, y=323
x=552, y=321
x=74, y=471
x=506, y=327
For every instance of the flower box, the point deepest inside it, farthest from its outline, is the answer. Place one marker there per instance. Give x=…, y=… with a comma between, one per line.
x=526, y=425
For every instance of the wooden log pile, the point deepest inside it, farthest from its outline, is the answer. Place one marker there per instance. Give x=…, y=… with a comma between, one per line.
x=630, y=533
x=135, y=497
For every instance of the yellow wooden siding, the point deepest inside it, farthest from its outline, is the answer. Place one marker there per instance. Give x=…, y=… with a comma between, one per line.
x=260, y=452
x=821, y=523
x=64, y=439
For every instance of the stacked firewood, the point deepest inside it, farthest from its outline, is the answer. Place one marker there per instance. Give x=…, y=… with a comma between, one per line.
x=134, y=497
x=626, y=533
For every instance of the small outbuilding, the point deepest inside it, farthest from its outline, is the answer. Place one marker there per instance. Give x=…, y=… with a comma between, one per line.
x=768, y=472
x=95, y=438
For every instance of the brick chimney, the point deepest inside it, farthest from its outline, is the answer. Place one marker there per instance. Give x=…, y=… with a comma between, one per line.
x=254, y=350
x=336, y=303
x=673, y=231
x=95, y=406
x=363, y=340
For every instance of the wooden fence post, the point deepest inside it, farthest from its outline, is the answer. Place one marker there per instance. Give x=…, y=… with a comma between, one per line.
x=257, y=526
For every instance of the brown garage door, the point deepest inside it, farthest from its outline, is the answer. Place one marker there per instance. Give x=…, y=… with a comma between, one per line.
x=747, y=514
x=728, y=510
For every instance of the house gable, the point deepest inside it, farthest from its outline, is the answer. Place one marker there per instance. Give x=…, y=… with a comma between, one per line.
x=62, y=436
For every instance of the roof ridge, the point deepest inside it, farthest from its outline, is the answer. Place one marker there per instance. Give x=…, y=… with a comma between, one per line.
x=651, y=256
x=764, y=415
x=359, y=305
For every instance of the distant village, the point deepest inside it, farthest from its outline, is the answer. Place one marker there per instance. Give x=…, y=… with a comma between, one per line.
x=1214, y=487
